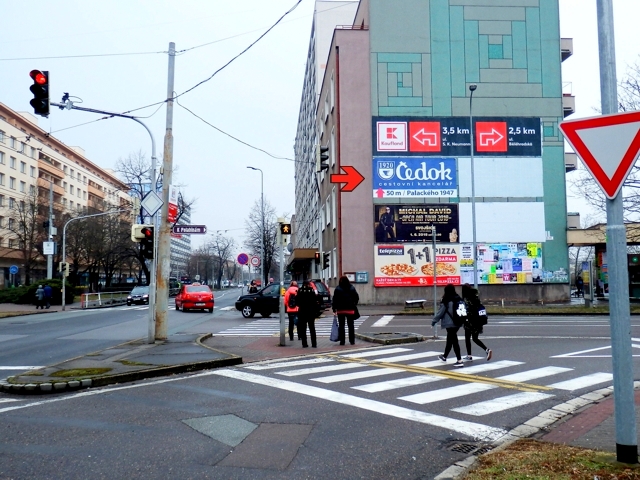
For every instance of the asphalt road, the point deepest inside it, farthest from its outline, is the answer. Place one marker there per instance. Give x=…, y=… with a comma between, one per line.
x=356, y=415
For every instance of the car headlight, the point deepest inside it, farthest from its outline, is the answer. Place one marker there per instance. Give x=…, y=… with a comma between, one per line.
x=145, y=296
x=129, y=297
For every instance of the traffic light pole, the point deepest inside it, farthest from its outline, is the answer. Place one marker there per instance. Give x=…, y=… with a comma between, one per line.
x=64, y=245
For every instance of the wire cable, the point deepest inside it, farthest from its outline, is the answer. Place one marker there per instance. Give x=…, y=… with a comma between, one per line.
x=80, y=56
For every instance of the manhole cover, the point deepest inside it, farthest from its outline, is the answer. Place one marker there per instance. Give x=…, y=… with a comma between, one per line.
x=470, y=448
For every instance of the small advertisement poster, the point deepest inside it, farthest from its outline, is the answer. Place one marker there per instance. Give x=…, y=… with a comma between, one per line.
x=503, y=263
x=411, y=265
x=395, y=177
x=414, y=223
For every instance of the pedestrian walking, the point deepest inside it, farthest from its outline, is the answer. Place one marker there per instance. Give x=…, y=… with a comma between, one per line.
x=445, y=316
x=40, y=297
x=290, y=306
x=307, y=309
x=473, y=324
x=345, y=305
x=48, y=293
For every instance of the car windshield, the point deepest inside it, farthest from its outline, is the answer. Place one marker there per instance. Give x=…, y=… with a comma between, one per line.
x=320, y=287
x=202, y=288
x=140, y=291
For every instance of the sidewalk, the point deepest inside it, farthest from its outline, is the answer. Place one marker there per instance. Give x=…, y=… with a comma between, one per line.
x=586, y=421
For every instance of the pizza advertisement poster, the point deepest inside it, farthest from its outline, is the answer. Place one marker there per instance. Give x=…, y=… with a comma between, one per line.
x=411, y=264
x=503, y=263
x=414, y=223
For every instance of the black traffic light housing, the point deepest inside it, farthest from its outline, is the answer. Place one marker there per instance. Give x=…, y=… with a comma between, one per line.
x=146, y=244
x=321, y=158
x=285, y=228
x=325, y=261
x=317, y=258
x=40, y=90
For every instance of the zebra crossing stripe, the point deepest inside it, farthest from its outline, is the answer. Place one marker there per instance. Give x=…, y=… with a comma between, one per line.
x=471, y=429
x=271, y=326
x=411, y=356
x=447, y=393
x=314, y=370
x=7, y=400
x=295, y=363
x=383, y=321
x=357, y=375
x=376, y=353
x=534, y=374
x=502, y=403
x=399, y=383
x=583, y=382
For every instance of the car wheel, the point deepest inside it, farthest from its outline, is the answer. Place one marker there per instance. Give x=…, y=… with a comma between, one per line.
x=128, y=304
x=210, y=310
x=177, y=307
x=247, y=311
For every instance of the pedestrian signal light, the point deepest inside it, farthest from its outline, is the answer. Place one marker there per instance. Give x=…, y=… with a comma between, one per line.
x=322, y=158
x=285, y=228
x=40, y=90
x=325, y=261
x=146, y=243
x=317, y=258
x=63, y=268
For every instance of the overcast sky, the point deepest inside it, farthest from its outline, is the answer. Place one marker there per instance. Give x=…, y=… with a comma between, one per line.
x=255, y=99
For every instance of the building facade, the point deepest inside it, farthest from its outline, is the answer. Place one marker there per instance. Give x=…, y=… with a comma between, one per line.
x=405, y=86
x=35, y=166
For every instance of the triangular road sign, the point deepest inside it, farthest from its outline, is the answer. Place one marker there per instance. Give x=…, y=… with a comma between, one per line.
x=608, y=146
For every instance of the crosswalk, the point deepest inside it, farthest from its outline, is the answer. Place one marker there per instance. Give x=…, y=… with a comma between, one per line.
x=407, y=379
x=267, y=327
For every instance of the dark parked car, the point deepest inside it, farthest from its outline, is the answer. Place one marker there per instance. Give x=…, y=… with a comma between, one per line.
x=266, y=301
x=139, y=294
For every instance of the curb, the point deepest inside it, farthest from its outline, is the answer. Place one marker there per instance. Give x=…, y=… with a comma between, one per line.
x=542, y=421
x=101, y=381
x=389, y=338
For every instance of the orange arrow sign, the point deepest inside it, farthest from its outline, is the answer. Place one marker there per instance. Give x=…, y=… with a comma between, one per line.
x=351, y=178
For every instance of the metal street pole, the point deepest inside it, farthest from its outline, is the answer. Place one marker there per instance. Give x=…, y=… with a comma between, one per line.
x=619, y=315
x=280, y=296
x=435, y=279
x=163, y=257
x=64, y=245
x=262, y=276
x=472, y=88
x=50, y=236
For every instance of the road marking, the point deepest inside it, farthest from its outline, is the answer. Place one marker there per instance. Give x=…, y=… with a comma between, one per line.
x=357, y=375
x=228, y=308
x=267, y=327
x=399, y=383
x=534, y=374
x=583, y=382
x=470, y=429
x=383, y=321
x=314, y=370
x=502, y=403
x=289, y=364
x=446, y=393
x=23, y=368
x=376, y=353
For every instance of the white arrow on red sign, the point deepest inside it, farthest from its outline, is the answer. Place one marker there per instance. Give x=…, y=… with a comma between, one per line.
x=608, y=146
x=430, y=138
x=490, y=138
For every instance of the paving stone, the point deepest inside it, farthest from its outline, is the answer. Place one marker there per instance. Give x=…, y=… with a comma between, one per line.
x=524, y=431
x=30, y=387
x=74, y=384
x=86, y=382
x=60, y=385
x=540, y=422
x=46, y=387
x=450, y=473
x=592, y=396
x=551, y=413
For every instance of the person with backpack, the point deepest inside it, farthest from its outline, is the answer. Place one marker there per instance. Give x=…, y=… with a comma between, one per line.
x=451, y=315
x=307, y=306
x=476, y=318
x=291, y=308
x=40, y=297
x=345, y=305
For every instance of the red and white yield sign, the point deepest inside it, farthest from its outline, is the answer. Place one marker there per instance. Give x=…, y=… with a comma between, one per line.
x=607, y=145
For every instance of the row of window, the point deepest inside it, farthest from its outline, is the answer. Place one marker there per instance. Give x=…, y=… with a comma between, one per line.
x=13, y=183
x=18, y=146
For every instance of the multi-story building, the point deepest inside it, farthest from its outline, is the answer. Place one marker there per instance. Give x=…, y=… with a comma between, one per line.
x=407, y=88
x=34, y=165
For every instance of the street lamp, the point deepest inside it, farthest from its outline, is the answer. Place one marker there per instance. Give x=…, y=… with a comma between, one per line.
x=472, y=89
x=262, y=231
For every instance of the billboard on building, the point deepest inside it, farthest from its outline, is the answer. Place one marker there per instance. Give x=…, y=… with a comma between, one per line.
x=413, y=223
x=414, y=177
x=503, y=263
x=411, y=265
x=451, y=136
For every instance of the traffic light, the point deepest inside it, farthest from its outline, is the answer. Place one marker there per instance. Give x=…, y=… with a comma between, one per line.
x=317, y=258
x=285, y=228
x=325, y=261
x=137, y=235
x=146, y=244
x=321, y=157
x=40, y=90
x=63, y=268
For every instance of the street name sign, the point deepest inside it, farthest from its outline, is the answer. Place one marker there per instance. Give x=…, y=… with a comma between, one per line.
x=608, y=146
x=189, y=229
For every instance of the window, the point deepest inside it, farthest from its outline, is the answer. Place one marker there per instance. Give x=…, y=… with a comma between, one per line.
x=1, y=136
x=333, y=209
x=84, y=180
x=64, y=202
x=64, y=169
x=22, y=205
x=1, y=200
x=23, y=167
x=32, y=171
x=12, y=183
x=328, y=213
x=12, y=162
x=21, y=147
x=1, y=221
x=84, y=195
x=32, y=189
x=11, y=222
x=71, y=189
x=2, y=179
x=71, y=205
x=12, y=142
x=33, y=152
x=23, y=187
x=11, y=243
x=332, y=147
x=64, y=186
x=2, y=158
x=71, y=173
x=12, y=202
x=332, y=92
x=78, y=191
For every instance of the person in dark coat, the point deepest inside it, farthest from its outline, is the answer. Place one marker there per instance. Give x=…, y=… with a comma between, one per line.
x=40, y=297
x=307, y=310
x=345, y=305
x=472, y=326
x=48, y=293
x=445, y=316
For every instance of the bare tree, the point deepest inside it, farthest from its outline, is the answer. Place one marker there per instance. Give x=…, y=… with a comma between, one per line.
x=583, y=183
x=254, y=234
x=221, y=249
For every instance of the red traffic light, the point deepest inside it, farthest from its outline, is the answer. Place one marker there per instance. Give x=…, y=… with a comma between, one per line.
x=147, y=232
x=38, y=77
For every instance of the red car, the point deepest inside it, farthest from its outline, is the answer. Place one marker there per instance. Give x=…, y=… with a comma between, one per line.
x=195, y=297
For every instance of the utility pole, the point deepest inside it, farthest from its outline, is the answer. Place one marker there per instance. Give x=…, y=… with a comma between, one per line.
x=163, y=258
x=280, y=290
x=50, y=232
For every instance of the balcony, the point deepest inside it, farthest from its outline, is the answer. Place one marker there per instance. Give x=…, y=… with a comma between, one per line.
x=44, y=184
x=96, y=191
x=47, y=167
x=570, y=161
x=568, y=104
x=566, y=48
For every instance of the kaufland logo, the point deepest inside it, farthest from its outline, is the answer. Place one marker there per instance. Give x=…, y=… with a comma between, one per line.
x=392, y=136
